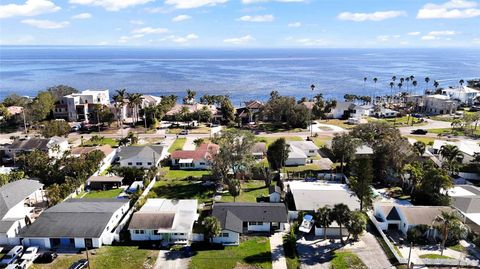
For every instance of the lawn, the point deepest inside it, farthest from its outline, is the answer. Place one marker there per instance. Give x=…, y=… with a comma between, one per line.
x=270, y=139
x=405, y=120
x=177, y=144
x=103, y=194
x=250, y=191
x=181, y=174
x=346, y=260
x=181, y=189
x=321, y=141
x=100, y=141
x=425, y=139
x=277, y=127
x=253, y=253
x=108, y=257
x=458, y=248
x=340, y=123
x=303, y=168
x=455, y=132
x=433, y=256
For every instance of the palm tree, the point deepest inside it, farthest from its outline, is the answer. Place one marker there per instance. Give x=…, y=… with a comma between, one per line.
x=451, y=154
x=420, y=147
x=436, y=84
x=461, y=82
x=324, y=217
x=391, y=88
x=400, y=85
x=119, y=99
x=394, y=78
x=341, y=214
x=407, y=79
x=135, y=100
x=427, y=80
x=414, y=84
x=375, y=85
x=447, y=220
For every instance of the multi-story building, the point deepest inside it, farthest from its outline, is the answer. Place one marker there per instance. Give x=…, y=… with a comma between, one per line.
x=79, y=106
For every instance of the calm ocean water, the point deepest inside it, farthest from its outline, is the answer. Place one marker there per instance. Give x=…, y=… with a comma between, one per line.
x=243, y=74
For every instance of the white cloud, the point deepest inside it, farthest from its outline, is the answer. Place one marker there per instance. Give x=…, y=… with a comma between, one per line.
x=476, y=40
x=183, y=40
x=263, y=1
x=180, y=18
x=149, y=30
x=437, y=33
x=309, y=42
x=375, y=16
x=137, y=22
x=30, y=8
x=82, y=16
x=187, y=4
x=454, y=9
x=387, y=38
x=295, y=24
x=111, y=5
x=123, y=39
x=258, y=18
x=429, y=37
x=239, y=40
x=46, y=24
x=413, y=33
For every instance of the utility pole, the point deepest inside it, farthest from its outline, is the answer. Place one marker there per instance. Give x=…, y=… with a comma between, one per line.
x=24, y=121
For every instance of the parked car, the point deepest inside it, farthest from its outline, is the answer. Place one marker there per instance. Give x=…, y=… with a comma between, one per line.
x=30, y=254
x=46, y=257
x=419, y=131
x=12, y=256
x=80, y=264
x=183, y=132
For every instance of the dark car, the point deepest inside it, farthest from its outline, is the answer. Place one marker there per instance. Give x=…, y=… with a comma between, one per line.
x=80, y=264
x=46, y=257
x=419, y=132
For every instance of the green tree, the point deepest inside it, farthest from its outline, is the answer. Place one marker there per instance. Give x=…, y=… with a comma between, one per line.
x=228, y=111
x=415, y=173
x=341, y=214
x=234, y=188
x=344, y=147
x=16, y=100
x=60, y=91
x=357, y=224
x=451, y=157
x=419, y=147
x=41, y=106
x=55, y=128
x=447, y=221
x=324, y=218
x=361, y=180
x=277, y=153
x=212, y=227
x=54, y=195
x=190, y=97
x=36, y=164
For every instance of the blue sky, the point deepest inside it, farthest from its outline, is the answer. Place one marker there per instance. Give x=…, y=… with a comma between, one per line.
x=242, y=23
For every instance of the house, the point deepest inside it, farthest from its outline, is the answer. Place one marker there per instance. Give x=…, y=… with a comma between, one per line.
x=385, y=113
x=402, y=218
x=147, y=101
x=244, y=218
x=363, y=150
x=341, y=110
x=178, y=109
x=79, y=106
x=106, y=149
x=466, y=199
x=463, y=93
x=259, y=150
x=21, y=202
x=274, y=194
x=198, y=159
x=104, y=182
x=164, y=219
x=76, y=223
x=310, y=196
x=54, y=146
x=299, y=151
x=467, y=147
x=251, y=112
x=434, y=104
x=141, y=156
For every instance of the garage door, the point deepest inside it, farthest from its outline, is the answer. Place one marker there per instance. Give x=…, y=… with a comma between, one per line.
x=40, y=243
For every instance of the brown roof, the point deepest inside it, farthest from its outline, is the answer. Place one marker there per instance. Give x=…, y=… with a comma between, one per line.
x=259, y=147
x=151, y=220
x=106, y=149
x=191, y=108
x=422, y=214
x=254, y=104
x=105, y=179
x=13, y=110
x=205, y=151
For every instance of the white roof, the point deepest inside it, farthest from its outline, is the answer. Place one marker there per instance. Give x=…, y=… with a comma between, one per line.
x=474, y=217
x=296, y=153
x=458, y=191
x=466, y=146
x=185, y=212
x=439, y=96
x=303, y=145
x=464, y=89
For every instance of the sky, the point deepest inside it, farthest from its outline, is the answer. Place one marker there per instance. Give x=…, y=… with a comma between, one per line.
x=242, y=23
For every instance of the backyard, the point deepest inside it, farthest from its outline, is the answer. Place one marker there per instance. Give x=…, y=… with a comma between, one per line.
x=107, y=257
x=100, y=141
x=270, y=139
x=250, y=191
x=181, y=174
x=103, y=194
x=181, y=189
x=252, y=253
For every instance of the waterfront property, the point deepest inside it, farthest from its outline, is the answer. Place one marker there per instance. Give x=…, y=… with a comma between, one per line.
x=198, y=159
x=21, y=202
x=140, y=156
x=246, y=218
x=436, y=104
x=467, y=147
x=79, y=106
x=463, y=93
x=76, y=223
x=163, y=219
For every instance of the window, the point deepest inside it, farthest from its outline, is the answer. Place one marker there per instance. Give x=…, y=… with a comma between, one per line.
x=149, y=163
x=155, y=232
x=129, y=163
x=202, y=163
x=224, y=235
x=139, y=163
x=255, y=223
x=138, y=231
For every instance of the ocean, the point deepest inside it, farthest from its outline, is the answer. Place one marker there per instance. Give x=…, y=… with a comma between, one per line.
x=243, y=74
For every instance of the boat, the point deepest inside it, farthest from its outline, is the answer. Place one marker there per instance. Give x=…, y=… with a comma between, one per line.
x=307, y=224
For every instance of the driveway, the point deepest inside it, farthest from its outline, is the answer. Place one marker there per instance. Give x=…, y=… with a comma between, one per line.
x=370, y=252
x=171, y=260
x=278, y=254
x=314, y=253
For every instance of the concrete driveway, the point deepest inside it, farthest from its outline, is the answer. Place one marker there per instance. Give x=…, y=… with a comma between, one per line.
x=171, y=260
x=370, y=252
x=314, y=253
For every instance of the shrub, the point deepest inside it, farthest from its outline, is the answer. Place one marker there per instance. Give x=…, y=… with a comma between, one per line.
x=416, y=235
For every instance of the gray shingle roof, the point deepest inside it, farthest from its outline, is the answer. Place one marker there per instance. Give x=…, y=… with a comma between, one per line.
x=232, y=215
x=467, y=204
x=82, y=218
x=151, y=220
x=140, y=152
x=15, y=192
x=416, y=215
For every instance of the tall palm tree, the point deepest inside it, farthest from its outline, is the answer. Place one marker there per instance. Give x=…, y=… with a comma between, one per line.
x=461, y=82
x=400, y=85
x=341, y=214
x=324, y=217
x=394, y=78
x=135, y=100
x=375, y=86
x=436, y=84
x=451, y=154
x=391, y=89
x=407, y=79
x=414, y=84
x=427, y=80
x=447, y=220
x=119, y=99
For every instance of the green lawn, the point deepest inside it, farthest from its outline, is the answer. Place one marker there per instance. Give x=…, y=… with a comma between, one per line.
x=320, y=141
x=253, y=253
x=181, y=189
x=270, y=139
x=181, y=174
x=103, y=194
x=303, y=168
x=433, y=256
x=277, y=127
x=250, y=191
x=107, y=257
x=102, y=141
x=425, y=139
x=340, y=123
x=177, y=144
x=399, y=121
x=458, y=248
x=455, y=132
x=346, y=260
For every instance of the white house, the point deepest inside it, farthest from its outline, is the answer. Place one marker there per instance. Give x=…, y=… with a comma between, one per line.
x=299, y=151
x=163, y=219
x=78, y=106
x=198, y=159
x=54, y=146
x=464, y=94
x=467, y=147
x=402, y=218
x=147, y=101
x=245, y=218
x=20, y=203
x=140, y=156
x=274, y=194
x=76, y=223
x=385, y=113
x=341, y=110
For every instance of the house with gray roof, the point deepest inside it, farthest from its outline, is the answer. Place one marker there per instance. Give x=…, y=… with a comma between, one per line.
x=21, y=202
x=76, y=223
x=245, y=218
x=466, y=199
x=141, y=156
x=54, y=146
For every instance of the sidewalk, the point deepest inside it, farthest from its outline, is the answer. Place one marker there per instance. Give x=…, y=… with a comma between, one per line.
x=278, y=255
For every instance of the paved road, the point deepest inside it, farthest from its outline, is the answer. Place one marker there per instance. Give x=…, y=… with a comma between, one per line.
x=171, y=260
x=431, y=124
x=278, y=254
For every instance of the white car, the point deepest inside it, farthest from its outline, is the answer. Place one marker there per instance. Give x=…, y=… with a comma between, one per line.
x=30, y=254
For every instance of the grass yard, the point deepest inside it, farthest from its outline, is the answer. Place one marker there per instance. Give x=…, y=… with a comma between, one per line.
x=455, y=132
x=270, y=139
x=181, y=174
x=337, y=122
x=253, y=253
x=250, y=191
x=277, y=127
x=103, y=194
x=405, y=121
x=181, y=189
x=433, y=256
x=108, y=257
x=177, y=144
x=303, y=168
x=425, y=139
x=458, y=248
x=321, y=141
x=100, y=141
x=346, y=260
